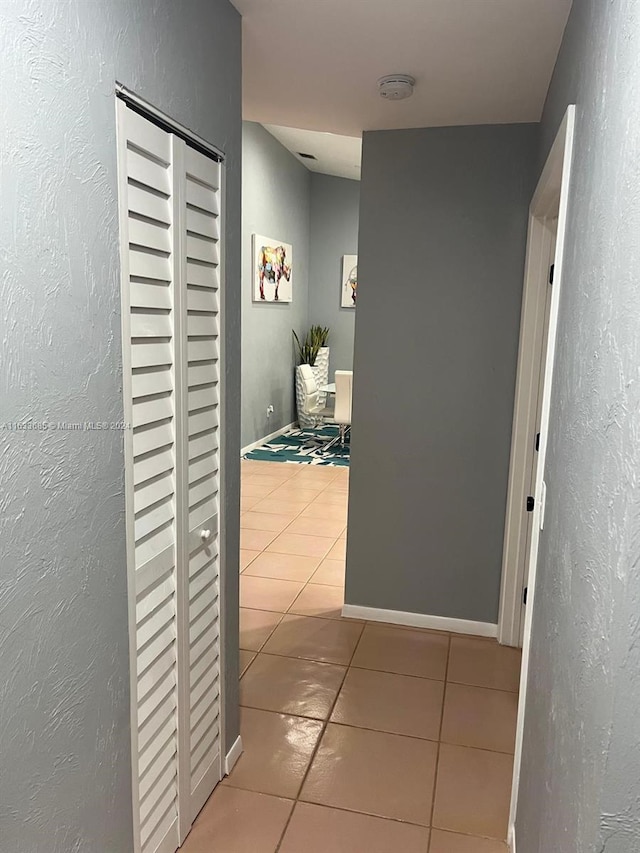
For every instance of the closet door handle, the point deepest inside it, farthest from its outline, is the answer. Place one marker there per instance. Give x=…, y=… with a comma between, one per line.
x=205, y=534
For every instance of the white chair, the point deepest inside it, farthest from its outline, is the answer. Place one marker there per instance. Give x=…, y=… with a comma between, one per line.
x=344, y=396
x=313, y=406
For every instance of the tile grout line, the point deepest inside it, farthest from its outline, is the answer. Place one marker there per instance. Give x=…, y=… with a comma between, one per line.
x=334, y=540
x=437, y=764
x=363, y=729
x=319, y=741
x=383, y=671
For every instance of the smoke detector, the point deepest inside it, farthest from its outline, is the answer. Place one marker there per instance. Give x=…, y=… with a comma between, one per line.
x=396, y=87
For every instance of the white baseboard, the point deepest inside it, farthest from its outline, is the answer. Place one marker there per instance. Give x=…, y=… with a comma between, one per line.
x=511, y=841
x=233, y=755
x=267, y=438
x=420, y=620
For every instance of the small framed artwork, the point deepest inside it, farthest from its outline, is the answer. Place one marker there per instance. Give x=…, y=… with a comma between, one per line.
x=272, y=270
x=349, y=289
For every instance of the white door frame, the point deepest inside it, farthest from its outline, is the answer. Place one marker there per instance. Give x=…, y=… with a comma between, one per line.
x=544, y=207
x=550, y=199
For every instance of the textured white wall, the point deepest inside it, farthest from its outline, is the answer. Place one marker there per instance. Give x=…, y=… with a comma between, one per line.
x=64, y=697
x=580, y=782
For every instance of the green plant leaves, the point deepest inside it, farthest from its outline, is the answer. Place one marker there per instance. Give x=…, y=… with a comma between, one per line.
x=309, y=347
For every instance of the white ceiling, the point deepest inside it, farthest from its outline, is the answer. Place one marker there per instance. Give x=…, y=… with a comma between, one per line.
x=335, y=155
x=314, y=64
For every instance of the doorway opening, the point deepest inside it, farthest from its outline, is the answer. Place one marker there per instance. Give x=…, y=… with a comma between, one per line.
x=300, y=219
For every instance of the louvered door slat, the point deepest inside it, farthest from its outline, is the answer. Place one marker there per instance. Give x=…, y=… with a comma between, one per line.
x=155, y=711
x=144, y=169
x=153, y=235
x=146, y=439
x=202, y=169
x=153, y=813
x=152, y=408
x=157, y=766
x=150, y=354
x=203, y=466
x=201, y=396
x=159, y=616
x=201, y=372
x=202, y=249
x=202, y=197
x=151, y=464
x=204, y=666
x=200, y=580
x=202, y=224
x=201, y=299
x=205, y=690
x=151, y=324
x=203, y=324
x=203, y=419
x=144, y=203
x=151, y=380
x=202, y=275
x=150, y=294
x=148, y=264
x=145, y=136
x=148, y=549
x=153, y=490
x=202, y=443
x=161, y=737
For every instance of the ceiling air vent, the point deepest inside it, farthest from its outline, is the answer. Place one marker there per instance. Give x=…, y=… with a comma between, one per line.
x=307, y=156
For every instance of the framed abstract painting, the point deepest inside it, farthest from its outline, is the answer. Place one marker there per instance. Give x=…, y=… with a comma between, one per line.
x=272, y=264
x=349, y=288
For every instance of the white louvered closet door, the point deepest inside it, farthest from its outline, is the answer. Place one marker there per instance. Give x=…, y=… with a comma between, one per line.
x=170, y=233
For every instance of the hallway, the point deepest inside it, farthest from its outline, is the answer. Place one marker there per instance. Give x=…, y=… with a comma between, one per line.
x=358, y=737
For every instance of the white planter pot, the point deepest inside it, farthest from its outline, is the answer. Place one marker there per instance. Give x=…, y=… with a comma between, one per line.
x=321, y=369
x=321, y=373
x=303, y=420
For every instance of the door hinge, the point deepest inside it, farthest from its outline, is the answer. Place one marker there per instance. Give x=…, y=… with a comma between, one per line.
x=524, y=595
x=537, y=441
x=531, y=502
x=551, y=272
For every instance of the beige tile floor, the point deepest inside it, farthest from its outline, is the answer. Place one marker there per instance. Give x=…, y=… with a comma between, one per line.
x=358, y=737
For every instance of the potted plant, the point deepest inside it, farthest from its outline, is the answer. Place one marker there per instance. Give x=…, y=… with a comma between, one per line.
x=311, y=350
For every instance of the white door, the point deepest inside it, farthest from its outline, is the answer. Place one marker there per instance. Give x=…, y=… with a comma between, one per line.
x=552, y=225
x=547, y=221
x=169, y=215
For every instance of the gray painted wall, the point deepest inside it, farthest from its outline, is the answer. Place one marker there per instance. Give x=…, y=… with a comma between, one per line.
x=275, y=203
x=64, y=682
x=335, y=204
x=443, y=219
x=581, y=762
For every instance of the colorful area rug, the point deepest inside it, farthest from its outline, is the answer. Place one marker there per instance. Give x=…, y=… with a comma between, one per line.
x=291, y=448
